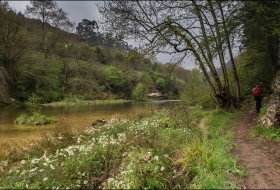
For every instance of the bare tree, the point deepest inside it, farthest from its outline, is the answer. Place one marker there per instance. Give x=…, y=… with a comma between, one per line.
x=181, y=28
x=50, y=15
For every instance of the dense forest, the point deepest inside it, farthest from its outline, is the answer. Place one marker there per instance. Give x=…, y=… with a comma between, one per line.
x=44, y=53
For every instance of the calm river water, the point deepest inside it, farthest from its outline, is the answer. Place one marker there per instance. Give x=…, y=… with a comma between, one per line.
x=75, y=116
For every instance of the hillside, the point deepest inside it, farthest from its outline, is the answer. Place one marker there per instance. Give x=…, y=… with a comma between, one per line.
x=43, y=58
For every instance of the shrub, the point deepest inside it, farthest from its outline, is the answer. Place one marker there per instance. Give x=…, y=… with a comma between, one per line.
x=114, y=77
x=140, y=92
x=33, y=104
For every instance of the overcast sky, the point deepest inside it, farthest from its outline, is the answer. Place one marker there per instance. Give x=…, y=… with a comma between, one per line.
x=79, y=10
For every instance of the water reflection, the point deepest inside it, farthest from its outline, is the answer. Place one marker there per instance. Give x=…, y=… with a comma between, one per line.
x=80, y=116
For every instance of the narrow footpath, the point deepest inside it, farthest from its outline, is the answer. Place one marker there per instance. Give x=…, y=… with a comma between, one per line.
x=260, y=158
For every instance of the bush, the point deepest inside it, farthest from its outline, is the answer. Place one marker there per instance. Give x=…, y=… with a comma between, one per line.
x=114, y=77
x=160, y=83
x=33, y=104
x=140, y=92
x=206, y=102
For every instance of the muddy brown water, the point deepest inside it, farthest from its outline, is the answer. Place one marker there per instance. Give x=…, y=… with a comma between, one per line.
x=79, y=116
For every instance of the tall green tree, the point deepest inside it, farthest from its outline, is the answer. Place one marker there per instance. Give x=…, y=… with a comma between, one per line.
x=87, y=30
x=261, y=22
x=183, y=28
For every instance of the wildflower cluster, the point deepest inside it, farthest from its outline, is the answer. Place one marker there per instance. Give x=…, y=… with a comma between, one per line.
x=136, y=168
x=119, y=154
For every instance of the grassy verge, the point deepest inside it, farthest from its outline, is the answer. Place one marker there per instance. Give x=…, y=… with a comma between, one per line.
x=175, y=148
x=269, y=133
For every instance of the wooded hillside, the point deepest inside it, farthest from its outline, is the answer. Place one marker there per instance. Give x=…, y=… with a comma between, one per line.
x=47, y=55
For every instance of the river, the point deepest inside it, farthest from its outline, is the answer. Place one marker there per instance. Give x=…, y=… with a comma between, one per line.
x=79, y=116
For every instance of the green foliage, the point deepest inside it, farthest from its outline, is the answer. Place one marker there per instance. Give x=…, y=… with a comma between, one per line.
x=35, y=119
x=252, y=70
x=41, y=58
x=167, y=149
x=272, y=133
x=140, y=92
x=101, y=55
x=196, y=91
x=39, y=75
x=160, y=84
x=206, y=101
x=12, y=38
x=261, y=30
x=33, y=104
x=114, y=77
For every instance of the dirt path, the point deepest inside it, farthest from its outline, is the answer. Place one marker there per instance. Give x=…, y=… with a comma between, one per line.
x=260, y=158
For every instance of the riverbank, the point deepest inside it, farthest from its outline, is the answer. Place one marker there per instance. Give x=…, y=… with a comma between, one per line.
x=171, y=148
x=83, y=102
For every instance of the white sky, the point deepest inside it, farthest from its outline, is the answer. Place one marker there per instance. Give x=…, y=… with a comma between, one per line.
x=79, y=10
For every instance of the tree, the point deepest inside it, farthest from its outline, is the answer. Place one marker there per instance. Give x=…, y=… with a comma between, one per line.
x=86, y=29
x=50, y=15
x=262, y=29
x=13, y=43
x=114, y=78
x=181, y=28
x=140, y=92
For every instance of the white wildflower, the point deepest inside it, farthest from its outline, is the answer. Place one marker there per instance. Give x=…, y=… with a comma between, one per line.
x=79, y=140
x=156, y=157
x=162, y=168
x=85, y=182
x=23, y=162
x=35, y=160
x=45, y=156
x=22, y=173
x=52, y=167
x=41, y=170
x=45, y=179
x=33, y=170
x=70, y=152
x=82, y=148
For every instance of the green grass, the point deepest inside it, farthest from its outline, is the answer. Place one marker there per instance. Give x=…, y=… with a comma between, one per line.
x=166, y=149
x=34, y=119
x=269, y=133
